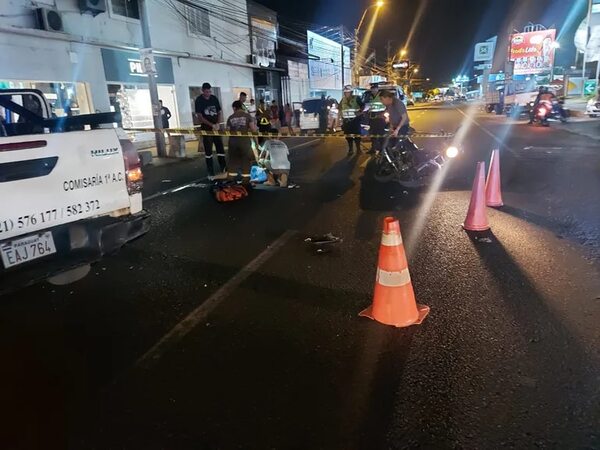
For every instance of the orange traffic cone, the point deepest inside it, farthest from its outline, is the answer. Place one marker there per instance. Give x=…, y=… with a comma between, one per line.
x=394, y=300
x=493, y=192
x=477, y=216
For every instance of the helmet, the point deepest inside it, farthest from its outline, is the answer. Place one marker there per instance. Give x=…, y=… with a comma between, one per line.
x=347, y=88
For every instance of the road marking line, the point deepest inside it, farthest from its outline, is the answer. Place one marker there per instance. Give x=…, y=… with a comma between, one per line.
x=486, y=131
x=184, y=327
x=199, y=180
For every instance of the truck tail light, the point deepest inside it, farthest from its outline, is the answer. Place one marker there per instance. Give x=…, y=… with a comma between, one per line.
x=133, y=168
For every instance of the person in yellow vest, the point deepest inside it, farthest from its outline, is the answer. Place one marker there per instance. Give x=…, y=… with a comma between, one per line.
x=350, y=110
x=376, y=117
x=263, y=120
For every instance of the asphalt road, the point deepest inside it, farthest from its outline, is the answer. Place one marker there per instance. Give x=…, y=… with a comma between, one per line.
x=223, y=329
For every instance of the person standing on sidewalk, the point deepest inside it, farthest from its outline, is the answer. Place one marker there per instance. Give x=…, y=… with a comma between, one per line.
x=242, y=99
x=240, y=148
x=252, y=108
x=165, y=114
x=210, y=114
x=289, y=114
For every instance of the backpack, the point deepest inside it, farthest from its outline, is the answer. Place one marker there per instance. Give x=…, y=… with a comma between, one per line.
x=229, y=192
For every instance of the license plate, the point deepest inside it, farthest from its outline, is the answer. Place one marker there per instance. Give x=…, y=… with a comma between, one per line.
x=27, y=249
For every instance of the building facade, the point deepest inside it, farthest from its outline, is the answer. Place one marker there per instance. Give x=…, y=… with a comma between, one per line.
x=84, y=55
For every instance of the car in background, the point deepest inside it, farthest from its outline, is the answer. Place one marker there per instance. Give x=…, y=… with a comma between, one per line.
x=309, y=113
x=592, y=108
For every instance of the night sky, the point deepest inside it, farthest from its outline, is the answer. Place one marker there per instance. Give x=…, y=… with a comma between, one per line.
x=444, y=38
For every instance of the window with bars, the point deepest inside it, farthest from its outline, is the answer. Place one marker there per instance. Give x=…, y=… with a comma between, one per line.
x=198, y=21
x=126, y=8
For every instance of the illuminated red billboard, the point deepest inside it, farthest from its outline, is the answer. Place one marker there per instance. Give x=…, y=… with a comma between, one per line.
x=533, y=52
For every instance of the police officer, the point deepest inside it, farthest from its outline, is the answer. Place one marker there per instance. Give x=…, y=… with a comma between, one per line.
x=376, y=118
x=263, y=119
x=350, y=109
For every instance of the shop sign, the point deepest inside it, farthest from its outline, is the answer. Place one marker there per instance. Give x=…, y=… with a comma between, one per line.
x=484, y=51
x=589, y=88
x=131, y=67
x=532, y=52
x=404, y=64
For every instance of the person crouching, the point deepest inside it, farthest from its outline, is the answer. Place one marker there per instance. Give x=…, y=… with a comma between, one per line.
x=274, y=157
x=240, y=148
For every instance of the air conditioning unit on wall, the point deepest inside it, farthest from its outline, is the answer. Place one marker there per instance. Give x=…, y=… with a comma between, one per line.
x=94, y=7
x=49, y=19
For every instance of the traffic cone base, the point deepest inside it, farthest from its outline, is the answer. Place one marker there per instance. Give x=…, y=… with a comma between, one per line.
x=394, y=299
x=477, y=214
x=422, y=310
x=475, y=227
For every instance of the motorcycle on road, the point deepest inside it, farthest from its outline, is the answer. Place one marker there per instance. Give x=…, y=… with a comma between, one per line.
x=545, y=111
x=402, y=161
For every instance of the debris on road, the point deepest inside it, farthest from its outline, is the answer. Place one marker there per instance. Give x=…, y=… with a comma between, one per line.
x=323, y=244
x=485, y=240
x=328, y=238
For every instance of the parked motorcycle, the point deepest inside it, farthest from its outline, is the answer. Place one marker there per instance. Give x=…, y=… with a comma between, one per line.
x=402, y=161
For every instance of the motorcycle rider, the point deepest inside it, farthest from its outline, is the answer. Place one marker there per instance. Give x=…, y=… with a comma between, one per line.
x=350, y=109
x=376, y=117
x=398, y=114
x=536, y=102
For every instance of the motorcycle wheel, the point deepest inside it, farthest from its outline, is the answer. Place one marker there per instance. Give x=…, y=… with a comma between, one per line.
x=383, y=172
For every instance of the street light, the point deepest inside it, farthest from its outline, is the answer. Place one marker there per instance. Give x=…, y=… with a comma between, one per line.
x=403, y=52
x=378, y=4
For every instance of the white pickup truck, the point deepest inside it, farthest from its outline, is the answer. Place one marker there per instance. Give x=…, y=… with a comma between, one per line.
x=70, y=191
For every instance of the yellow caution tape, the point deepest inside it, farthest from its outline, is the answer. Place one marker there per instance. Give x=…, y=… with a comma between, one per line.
x=195, y=132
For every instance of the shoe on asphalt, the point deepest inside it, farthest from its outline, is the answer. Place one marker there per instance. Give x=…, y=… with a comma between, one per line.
x=221, y=176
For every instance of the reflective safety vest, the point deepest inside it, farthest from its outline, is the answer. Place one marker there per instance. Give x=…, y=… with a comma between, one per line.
x=376, y=105
x=263, y=119
x=349, y=108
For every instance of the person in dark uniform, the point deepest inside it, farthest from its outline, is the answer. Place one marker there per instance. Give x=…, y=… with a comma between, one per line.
x=210, y=114
x=165, y=115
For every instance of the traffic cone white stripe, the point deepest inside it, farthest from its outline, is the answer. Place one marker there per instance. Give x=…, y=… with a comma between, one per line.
x=391, y=239
x=393, y=279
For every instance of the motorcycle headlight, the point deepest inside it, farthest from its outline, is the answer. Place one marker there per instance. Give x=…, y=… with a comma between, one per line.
x=452, y=152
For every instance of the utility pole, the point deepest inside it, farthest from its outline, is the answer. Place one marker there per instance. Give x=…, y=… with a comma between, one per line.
x=587, y=37
x=388, y=60
x=342, y=53
x=161, y=148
